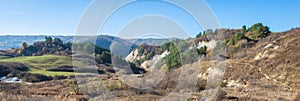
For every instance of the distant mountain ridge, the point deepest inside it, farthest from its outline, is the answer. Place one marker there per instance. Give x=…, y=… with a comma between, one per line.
x=9, y=41
x=105, y=41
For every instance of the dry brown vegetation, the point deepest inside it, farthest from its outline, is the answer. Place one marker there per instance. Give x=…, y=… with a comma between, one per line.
x=273, y=76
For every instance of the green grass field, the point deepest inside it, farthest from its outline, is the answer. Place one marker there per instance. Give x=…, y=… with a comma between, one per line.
x=43, y=62
x=46, y=61
x=49, y=73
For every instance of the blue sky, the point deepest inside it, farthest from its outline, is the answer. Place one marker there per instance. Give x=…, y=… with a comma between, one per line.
x=27, y=17
x=280, y=15
x=61, y=17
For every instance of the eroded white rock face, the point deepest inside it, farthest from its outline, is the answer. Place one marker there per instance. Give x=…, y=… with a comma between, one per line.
x=210, y=45
x=134, y=55
x=149, y=64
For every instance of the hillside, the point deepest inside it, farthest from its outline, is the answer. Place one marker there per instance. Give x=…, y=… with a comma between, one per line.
x=269, y=69
x=259, y=65
x=251, y=63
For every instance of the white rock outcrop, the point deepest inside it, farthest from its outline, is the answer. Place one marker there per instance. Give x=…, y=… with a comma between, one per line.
x=134, y=55
x=210, y=45
x=149, y=64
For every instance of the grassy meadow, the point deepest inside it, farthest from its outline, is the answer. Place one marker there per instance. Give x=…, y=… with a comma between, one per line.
x=41, y=63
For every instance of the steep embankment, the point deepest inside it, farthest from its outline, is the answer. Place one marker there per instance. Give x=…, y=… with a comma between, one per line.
x=280, y=58
x=269, y=68
x=257, y=68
